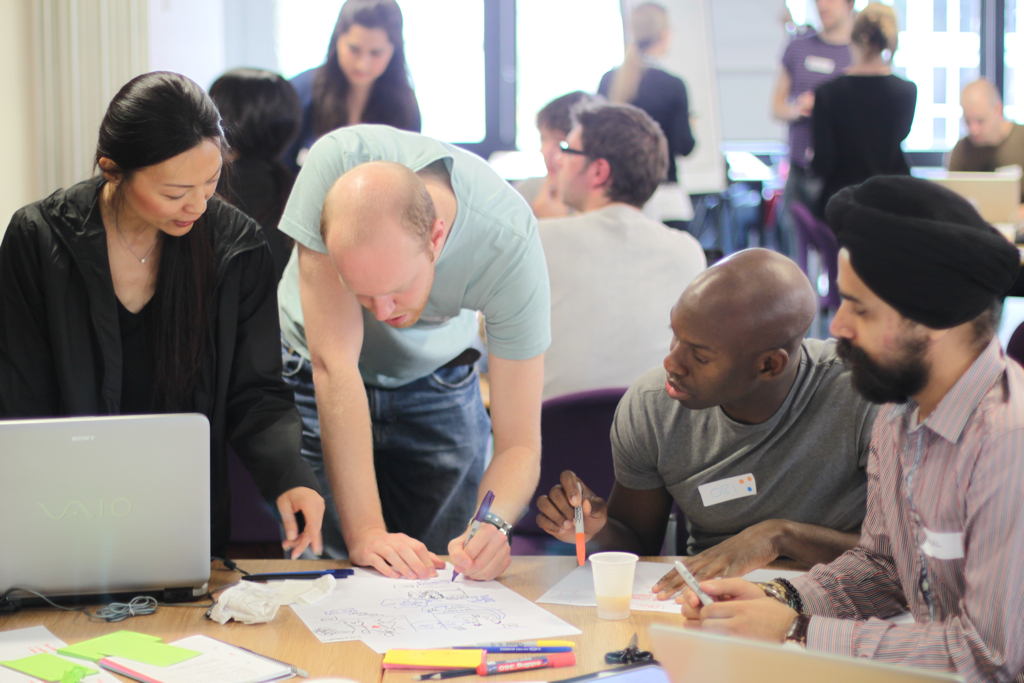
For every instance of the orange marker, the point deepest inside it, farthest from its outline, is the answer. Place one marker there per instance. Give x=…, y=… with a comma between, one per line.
x=581, y=543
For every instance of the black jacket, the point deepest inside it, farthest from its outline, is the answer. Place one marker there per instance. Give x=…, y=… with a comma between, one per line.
x=663, y=97
x=60, y=342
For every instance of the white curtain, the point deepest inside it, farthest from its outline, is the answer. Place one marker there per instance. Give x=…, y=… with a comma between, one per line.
x=84, y=51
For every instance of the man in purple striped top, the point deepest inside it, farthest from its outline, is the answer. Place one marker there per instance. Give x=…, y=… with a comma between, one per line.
x=807, y=63
x=922, y=278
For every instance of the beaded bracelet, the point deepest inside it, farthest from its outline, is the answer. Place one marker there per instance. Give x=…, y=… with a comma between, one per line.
x=796, y=602
x=783, y=591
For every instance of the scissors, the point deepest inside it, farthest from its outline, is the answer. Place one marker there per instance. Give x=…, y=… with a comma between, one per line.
x=630, y=655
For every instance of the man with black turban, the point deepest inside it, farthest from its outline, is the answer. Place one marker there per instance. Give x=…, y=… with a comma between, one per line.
x=922, y=277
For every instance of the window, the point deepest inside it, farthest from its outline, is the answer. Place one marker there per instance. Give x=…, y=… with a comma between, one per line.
x=448, y=74
x=1013, y=83
x=561, y=47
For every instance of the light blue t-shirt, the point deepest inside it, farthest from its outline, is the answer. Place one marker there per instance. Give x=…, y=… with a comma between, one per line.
x=492, y=260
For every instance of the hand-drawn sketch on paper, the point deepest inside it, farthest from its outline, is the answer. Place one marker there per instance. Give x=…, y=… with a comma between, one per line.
x=385, y=613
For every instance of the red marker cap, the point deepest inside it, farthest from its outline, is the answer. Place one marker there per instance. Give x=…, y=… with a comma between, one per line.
x=556, y=659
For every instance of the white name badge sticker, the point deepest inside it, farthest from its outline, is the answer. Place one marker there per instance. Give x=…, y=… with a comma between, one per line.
x=819, y=65
x=943, y=546
x=723, y=490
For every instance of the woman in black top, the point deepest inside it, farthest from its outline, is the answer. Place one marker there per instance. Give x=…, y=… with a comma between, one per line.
x=660, y=94
x=861, y=118
x=140, y=292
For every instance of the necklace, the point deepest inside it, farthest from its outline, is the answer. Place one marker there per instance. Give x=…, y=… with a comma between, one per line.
x=142, y=259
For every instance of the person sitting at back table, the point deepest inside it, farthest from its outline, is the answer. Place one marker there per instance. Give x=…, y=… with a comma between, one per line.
x=140, y=292
x=364, y=78
x=992, y=141
x=861, y=118
x=261, y=113
x=610, y=262
x=755, y=432
x=554, y=122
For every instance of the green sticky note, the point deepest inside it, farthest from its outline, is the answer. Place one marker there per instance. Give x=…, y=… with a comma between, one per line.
x=75, y=674
x=49, y=668
x=156, y=654
x=96, y=649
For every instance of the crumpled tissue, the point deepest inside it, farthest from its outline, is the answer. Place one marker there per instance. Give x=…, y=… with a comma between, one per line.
x=257, y=603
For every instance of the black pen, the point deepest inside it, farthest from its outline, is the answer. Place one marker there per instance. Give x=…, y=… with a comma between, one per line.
x=282, y=576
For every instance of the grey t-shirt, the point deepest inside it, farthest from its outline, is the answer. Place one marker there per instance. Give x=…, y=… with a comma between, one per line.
x=805, y=464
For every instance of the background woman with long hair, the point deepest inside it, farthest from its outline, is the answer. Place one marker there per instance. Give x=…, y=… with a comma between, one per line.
x=139, y=291
x=364, y=78
x=638, y=81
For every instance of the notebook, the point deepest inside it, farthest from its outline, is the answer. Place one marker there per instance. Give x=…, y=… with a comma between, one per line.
x=218, y=662
x=105, y=505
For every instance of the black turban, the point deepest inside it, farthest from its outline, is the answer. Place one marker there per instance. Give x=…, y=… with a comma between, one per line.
x=922, y=249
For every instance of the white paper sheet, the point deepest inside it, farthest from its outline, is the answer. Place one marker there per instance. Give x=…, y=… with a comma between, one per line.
x=401, y=613
x=577, y=588
x=25, y=642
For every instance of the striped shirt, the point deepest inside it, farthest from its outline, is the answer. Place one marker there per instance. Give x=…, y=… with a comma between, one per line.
x=943, y=536
x=810, y=62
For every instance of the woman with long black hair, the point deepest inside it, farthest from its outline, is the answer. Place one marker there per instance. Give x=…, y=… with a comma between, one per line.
x=364, y=78
x=139, y=291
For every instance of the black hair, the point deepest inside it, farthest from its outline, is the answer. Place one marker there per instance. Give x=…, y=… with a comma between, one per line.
x=260, y=110
x=261, y=114
x=392, y=100
x=557, y=114
x=153, y=118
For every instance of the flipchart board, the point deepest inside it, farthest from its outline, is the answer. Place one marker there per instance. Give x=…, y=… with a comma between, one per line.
x=692, y=57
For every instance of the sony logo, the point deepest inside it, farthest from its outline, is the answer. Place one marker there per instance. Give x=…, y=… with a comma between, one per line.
x=83, y=438
x=118, y=507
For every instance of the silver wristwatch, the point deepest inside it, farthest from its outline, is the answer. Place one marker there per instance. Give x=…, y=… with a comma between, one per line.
x=503, y=526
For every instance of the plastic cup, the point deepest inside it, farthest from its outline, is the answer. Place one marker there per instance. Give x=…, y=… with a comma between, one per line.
x=613, y=583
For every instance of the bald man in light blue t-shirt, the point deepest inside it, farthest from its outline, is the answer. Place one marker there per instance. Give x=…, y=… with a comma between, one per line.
x=401, y=241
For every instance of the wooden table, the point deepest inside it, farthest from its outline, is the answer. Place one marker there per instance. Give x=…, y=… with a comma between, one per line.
x=287, y=638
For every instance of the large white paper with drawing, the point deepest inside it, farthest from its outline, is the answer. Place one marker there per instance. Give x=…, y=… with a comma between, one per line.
x=25, y=642
x=577, y=588
x=401, y=613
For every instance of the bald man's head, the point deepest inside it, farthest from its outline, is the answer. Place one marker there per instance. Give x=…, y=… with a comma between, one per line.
x=737, y=324
x=983, y=113
x=373, y=197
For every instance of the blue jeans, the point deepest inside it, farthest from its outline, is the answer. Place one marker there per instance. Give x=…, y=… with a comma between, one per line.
x=430, y=440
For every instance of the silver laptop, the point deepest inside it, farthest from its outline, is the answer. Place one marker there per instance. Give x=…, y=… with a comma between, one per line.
x=996, y=196
x=695, y=657
x=105, y=505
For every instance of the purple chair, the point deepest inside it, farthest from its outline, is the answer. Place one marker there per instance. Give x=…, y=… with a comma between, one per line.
x=575, y=436
x=1015, y=347
x=252, y=519
x=813, y=233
